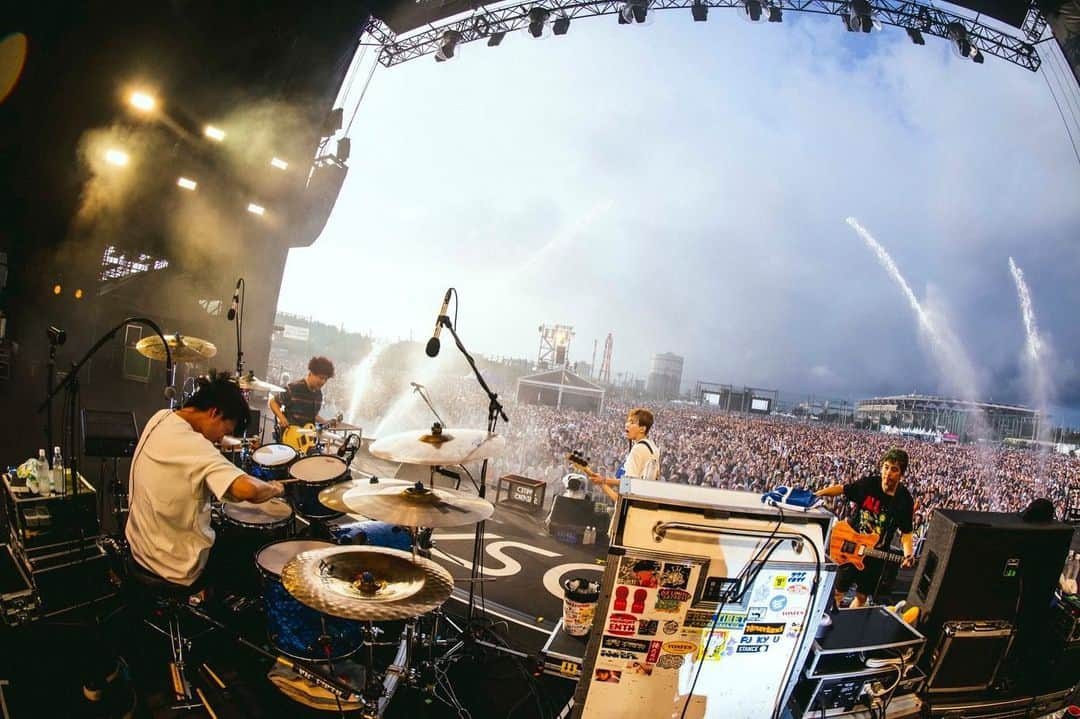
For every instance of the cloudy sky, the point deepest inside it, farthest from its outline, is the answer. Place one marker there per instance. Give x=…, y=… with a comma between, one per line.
x=685, y=186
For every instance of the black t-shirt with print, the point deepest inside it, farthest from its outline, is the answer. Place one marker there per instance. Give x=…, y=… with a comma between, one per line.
x=301, y=404
x=877, y=512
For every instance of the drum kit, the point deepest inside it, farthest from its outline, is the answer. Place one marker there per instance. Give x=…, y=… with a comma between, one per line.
x=323, y=600
x=328, y=601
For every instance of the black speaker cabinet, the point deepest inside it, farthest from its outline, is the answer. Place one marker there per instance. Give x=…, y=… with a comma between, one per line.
x=976, y=565
x=572, y=512
x=988, y=567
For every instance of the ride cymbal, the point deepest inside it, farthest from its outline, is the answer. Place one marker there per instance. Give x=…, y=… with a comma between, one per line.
x=332, y=497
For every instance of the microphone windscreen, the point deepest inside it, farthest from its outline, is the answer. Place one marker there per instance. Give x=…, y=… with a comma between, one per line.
x=432, y=347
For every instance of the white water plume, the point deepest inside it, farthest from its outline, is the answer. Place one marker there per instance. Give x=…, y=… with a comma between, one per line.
x=957, y=370
x=1036, y=355
x=361, y=379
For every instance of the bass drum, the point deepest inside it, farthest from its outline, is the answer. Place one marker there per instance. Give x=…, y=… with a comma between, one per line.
x=295, y=629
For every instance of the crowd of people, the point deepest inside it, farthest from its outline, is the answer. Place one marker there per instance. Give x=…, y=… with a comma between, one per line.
x=704, y=446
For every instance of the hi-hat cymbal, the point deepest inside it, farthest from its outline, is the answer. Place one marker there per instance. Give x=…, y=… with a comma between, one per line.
x=366, y=583
x=182, y=347
x=331, y=497
x=439, y=446
x=251, y=383
x=418, y=506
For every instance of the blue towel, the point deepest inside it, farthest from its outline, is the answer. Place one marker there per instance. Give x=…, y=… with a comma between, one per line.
x=795, y=497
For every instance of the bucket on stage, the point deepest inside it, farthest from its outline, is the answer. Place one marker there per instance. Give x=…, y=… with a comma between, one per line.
x=579, y=605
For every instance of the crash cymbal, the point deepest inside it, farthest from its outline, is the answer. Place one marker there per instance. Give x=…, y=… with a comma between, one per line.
x=418, y=506
x=331, y=497
x=183, y=348
x=366, y=583
x=439, y=446
x=251, y=383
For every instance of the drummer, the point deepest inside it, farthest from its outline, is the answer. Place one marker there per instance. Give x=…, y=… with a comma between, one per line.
x=301, y=401
x=174, y=471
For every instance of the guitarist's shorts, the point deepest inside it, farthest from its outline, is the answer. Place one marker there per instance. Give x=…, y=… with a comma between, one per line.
x=866, y=581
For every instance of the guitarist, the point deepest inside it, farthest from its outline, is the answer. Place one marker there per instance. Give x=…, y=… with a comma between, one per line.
x=883, y=505
x=301, y=401
x=643, y=459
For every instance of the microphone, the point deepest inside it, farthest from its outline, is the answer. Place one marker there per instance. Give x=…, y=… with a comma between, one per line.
x=433, y=343
x=417, y=386
x=235, y=301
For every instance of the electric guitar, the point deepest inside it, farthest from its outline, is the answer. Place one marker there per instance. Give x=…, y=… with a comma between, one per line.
x=846, y=546
x=578, y=462
x=306, y=437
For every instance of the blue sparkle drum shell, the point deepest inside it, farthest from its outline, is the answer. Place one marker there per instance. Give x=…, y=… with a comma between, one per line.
x=312, y=475
x=272, y=461
x=374, y=533
x=295, y=629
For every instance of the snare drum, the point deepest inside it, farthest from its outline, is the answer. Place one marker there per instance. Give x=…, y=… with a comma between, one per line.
x=294, y=628
x=272, y=461
x=314, y=474
x=244, y=527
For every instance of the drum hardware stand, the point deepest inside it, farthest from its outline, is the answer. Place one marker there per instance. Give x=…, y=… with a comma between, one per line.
x=57, y=337
x=236, y=312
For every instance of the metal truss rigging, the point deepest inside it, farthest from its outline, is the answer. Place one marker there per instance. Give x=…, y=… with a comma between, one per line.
x=914, y=16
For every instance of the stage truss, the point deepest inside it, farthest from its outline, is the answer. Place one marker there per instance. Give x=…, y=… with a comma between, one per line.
x=913, y=16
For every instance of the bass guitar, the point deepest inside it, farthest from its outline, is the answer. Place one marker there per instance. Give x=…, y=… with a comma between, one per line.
x=847, y=546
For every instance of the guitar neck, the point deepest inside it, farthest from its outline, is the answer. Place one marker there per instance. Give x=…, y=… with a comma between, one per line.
x=884, y=555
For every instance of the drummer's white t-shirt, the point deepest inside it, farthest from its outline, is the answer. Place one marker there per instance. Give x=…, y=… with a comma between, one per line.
x=173, y=471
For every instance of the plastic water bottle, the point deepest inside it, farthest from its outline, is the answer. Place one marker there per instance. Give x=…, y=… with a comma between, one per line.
x=42, y=473
x=59, y=485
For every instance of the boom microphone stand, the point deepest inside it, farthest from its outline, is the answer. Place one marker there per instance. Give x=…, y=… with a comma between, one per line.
x=71, y=383
x=495, y=411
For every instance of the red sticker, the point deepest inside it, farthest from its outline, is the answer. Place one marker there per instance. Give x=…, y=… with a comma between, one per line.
x=624, y=625
x=654, y=652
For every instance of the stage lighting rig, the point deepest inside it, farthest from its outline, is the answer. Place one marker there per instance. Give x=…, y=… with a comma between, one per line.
x=538, y=17
x=447, y=44
x=916, y=36
x=142, y=101
x=776, y=14
x=560, y=26
x=495, y=39
x=961, y=43
x=699, y=11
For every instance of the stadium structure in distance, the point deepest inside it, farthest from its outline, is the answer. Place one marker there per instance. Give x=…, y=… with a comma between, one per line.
x=952, y=416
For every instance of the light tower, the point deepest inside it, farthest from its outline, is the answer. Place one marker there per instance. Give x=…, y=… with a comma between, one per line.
x=554, y=345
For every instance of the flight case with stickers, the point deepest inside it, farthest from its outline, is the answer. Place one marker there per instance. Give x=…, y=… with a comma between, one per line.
x=709, y=603
x=562, y=654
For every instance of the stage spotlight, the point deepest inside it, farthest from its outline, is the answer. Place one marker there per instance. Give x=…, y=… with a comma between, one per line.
x=960, y=42
x=916, y=36
x=977, y=57
x=561, y=26
x=214, y=133
x=859, y=17
x=634, y=11
x=699, y=12
x=344, y=147
x=496, y=38
x=775, y=14
x=279, y=163
x=57, y=289
x=117, y=157
x=78, y=293
x=449, y=41
x=332, y=123
x=538, y=16
x=752, y=10
x=142, y=101
x=187, y=184
x=256, y=209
